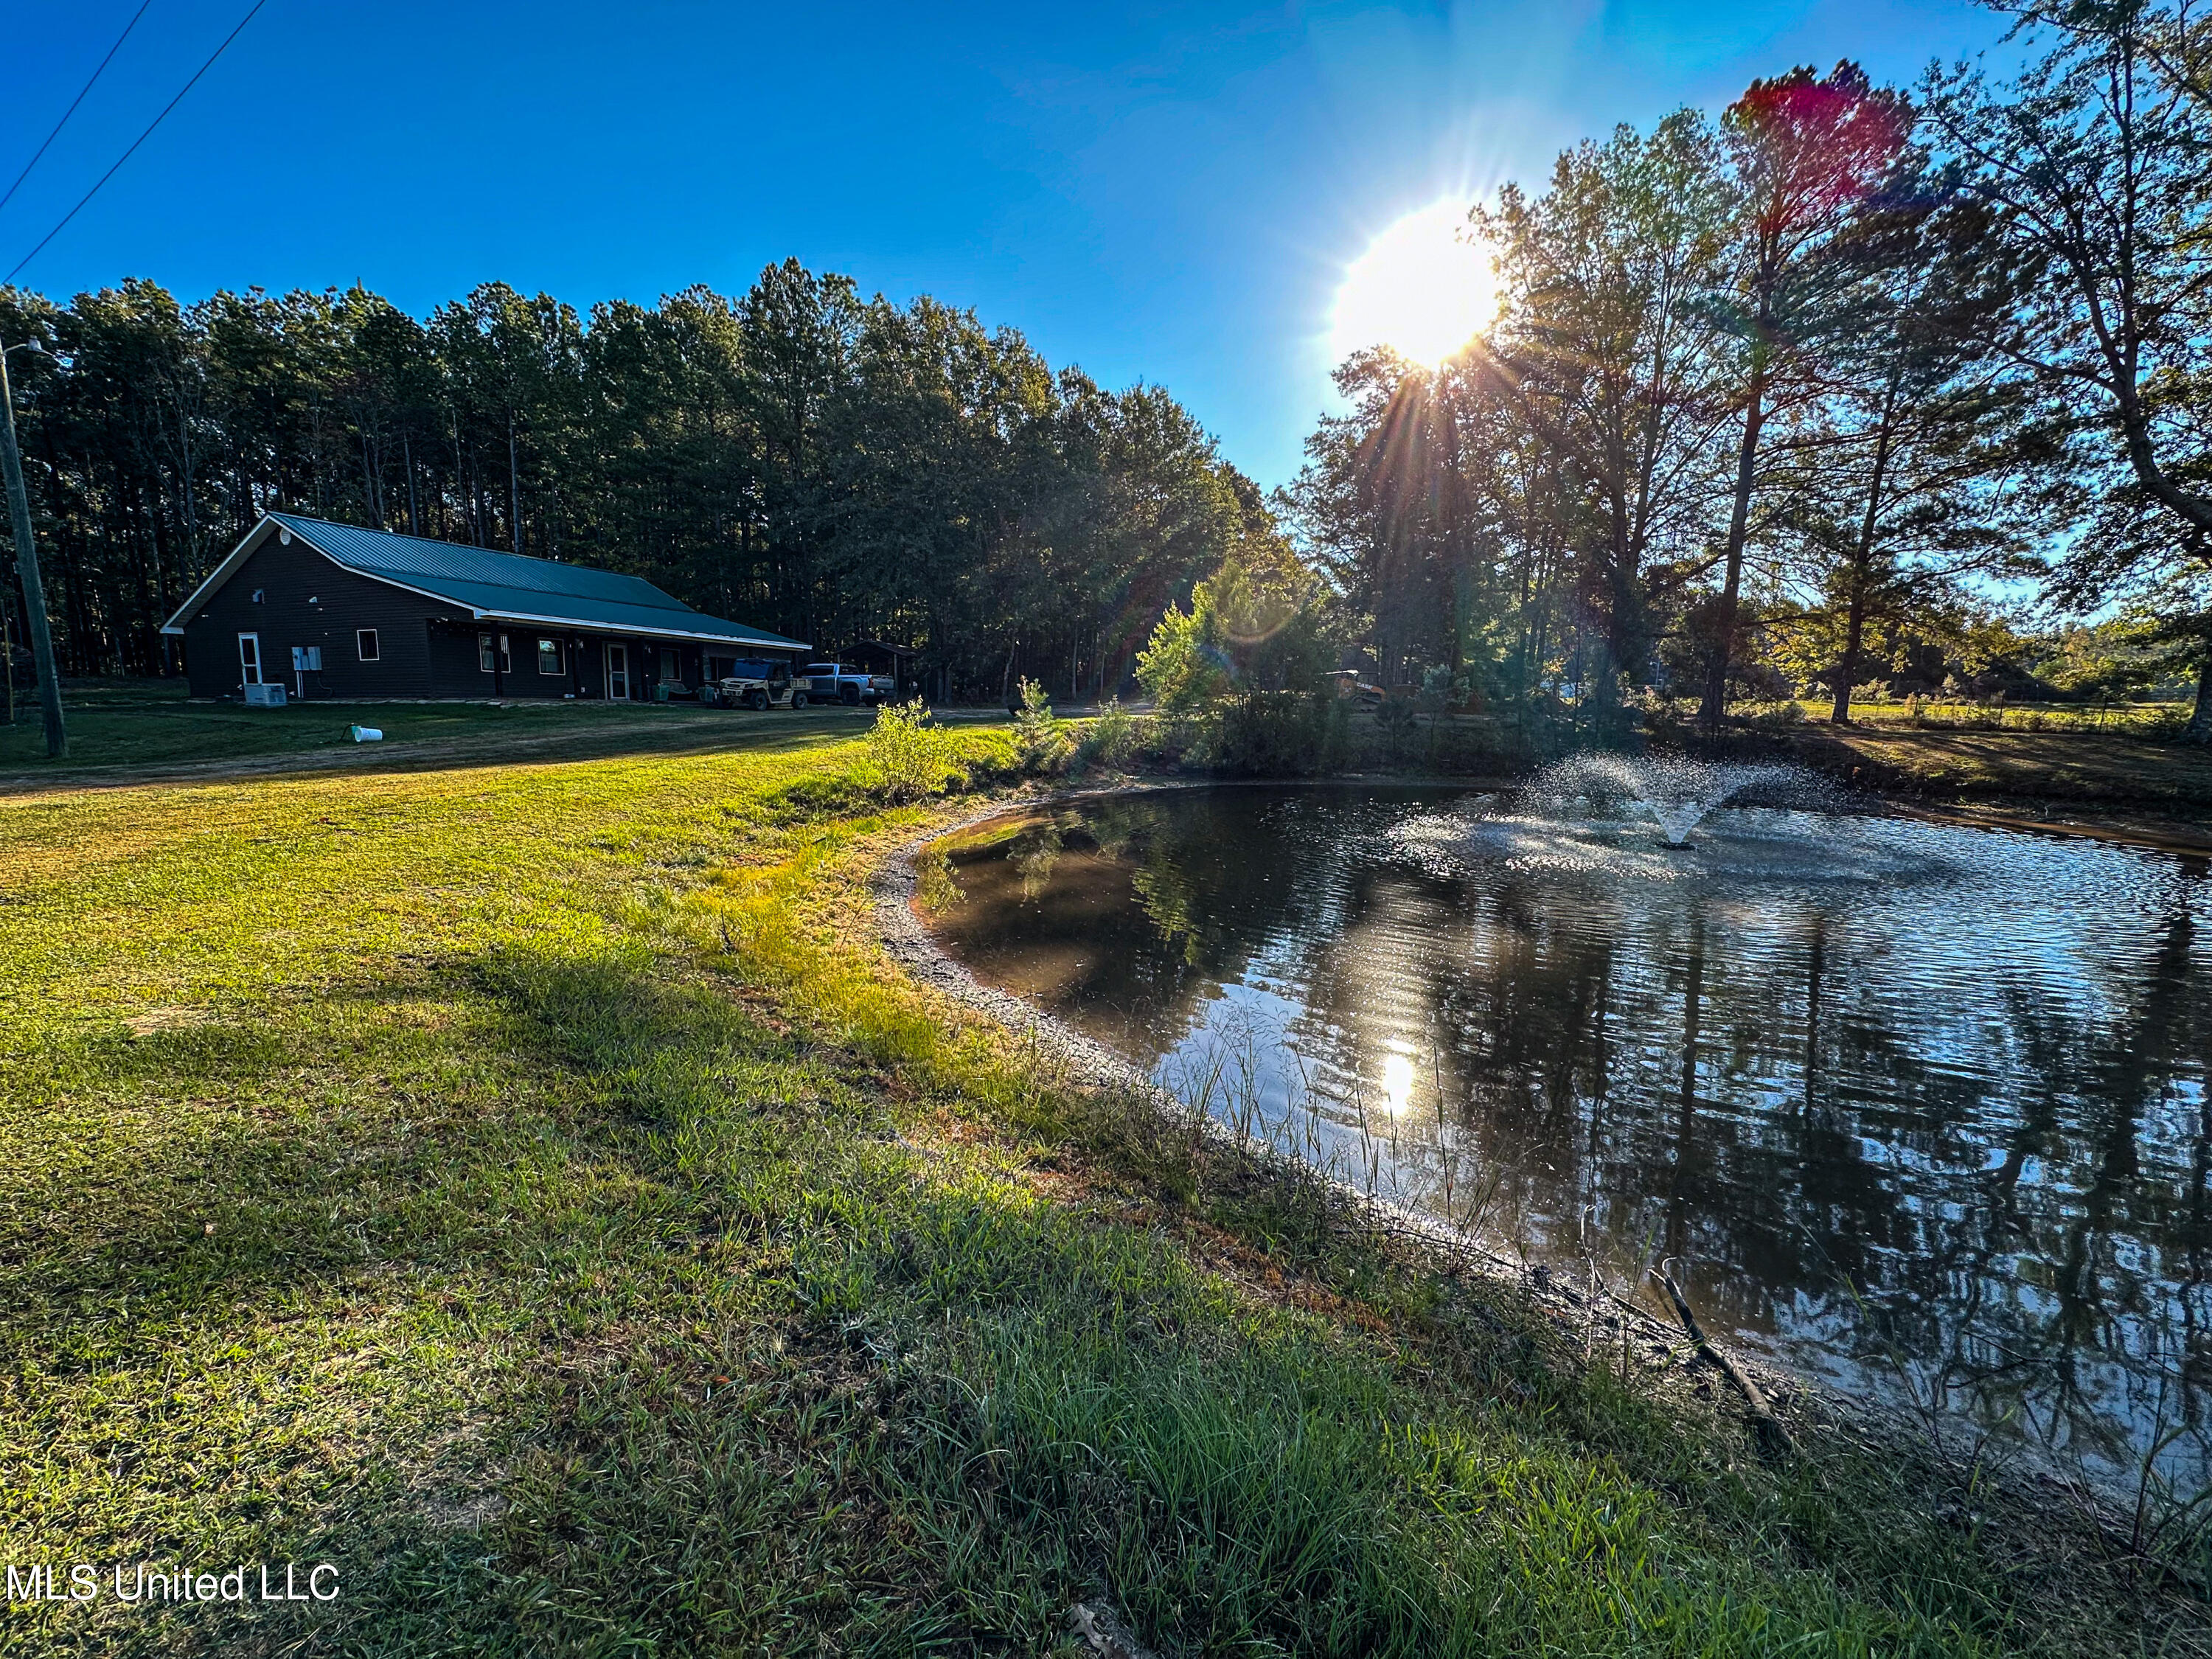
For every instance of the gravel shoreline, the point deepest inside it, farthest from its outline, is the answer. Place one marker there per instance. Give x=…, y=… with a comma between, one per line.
x=2024, y=1475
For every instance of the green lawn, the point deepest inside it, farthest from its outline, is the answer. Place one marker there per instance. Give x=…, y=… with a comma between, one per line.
x=149, y=726
x=2061, y=767
x=2141, y=719
x=530, y=1190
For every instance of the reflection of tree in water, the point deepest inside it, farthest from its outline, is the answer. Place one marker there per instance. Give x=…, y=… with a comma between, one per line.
x=1822, y=1169
x=1033, y=853
x=1146, y=905
x=2049, y=1287
x=2102, y=1247
x=936, y=888
x=1989, y=1165
x=1163, y=889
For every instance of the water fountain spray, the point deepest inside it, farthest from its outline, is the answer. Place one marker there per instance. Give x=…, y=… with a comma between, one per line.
x=1673, y=791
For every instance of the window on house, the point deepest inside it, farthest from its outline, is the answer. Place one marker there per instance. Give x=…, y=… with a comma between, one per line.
x=506, y=657
x=671, y=666
x=249, y=658
x=364, y=644
x=485, y=661
x=492, y=654
x=549, y=659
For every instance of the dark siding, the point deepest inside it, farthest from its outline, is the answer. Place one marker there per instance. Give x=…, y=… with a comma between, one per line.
x=453, y=670
x=308, y=600
x=588, y=664
x=687, y=661
x=426, y=647
x=531, y=682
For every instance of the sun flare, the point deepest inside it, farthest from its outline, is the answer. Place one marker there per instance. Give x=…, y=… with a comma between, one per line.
x=1422, y=288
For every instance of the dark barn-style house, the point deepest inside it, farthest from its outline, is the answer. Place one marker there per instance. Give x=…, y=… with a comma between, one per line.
x=334, y=611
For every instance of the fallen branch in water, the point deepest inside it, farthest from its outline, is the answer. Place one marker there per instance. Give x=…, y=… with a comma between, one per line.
x=1772, y=1436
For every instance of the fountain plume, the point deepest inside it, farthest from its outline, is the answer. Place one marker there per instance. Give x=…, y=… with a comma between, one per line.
x=1672, y=790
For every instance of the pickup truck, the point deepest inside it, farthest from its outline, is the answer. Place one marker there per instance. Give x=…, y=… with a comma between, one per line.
x=837, y=682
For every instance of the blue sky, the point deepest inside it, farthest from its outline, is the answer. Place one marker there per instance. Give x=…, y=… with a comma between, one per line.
x=1164, y=193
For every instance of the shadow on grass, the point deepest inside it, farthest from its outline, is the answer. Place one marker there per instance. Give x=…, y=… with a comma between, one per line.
x=443, y=1303
x=2086, y=769
x=132, y=749
x=568, y=1309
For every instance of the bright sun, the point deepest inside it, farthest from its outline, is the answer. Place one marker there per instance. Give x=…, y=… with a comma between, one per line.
x=1420, y=288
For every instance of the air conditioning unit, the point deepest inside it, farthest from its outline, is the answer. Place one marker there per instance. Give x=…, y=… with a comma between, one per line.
x=265, y=696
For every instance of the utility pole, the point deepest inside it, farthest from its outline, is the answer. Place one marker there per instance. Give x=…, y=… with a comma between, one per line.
x=7, y=654
x=26, y=562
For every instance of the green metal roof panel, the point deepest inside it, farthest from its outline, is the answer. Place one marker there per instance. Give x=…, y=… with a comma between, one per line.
x=561, y=609
x=514, y=586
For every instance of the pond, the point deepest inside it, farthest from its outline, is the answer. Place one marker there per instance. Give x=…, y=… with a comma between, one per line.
x=1918, y=1109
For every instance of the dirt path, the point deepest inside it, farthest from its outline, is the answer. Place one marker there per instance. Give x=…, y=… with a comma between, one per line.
x=477, y=749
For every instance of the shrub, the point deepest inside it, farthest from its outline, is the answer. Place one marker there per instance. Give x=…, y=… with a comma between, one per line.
x=908, y=752
x=1182, y=667
x=1397, y=718
x=1261, y=620
x=1041, y=737
x=1275, y=734
x=1110, y=740
x=1515, y=740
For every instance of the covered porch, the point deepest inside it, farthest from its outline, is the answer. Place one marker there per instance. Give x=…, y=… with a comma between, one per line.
x=496, y=659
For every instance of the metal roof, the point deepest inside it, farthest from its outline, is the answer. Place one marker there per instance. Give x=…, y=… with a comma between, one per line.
x=508, y=586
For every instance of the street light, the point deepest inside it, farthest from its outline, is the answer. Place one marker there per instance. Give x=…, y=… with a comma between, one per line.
x=26, y=560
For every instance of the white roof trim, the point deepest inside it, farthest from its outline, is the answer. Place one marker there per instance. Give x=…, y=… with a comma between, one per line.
x=393, y=581
x=223, y=571
x=216, y=577
x=657, y=632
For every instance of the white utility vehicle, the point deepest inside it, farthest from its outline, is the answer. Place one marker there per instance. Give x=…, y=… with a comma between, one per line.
x=759, y=684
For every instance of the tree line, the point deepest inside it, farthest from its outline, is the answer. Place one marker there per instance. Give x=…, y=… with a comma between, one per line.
x=1829, y=390
x=1811, y=392
x=798, y=456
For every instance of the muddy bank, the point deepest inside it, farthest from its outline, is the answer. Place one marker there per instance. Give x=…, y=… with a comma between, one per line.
x=2190, y=838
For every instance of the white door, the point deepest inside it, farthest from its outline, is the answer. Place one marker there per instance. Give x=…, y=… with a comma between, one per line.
x=618, y=672
x=249, y=656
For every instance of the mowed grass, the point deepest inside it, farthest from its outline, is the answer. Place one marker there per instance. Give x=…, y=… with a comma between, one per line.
x=2148, y=721
x=2072, y=769
x=149, y=726
x=532, y=1191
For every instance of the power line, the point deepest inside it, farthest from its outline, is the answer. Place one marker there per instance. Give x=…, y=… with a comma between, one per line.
x=75, y=101
x=135, y=143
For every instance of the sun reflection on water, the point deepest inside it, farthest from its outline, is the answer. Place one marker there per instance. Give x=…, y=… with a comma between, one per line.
x=1398, y=1083
x=1920, y=1107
